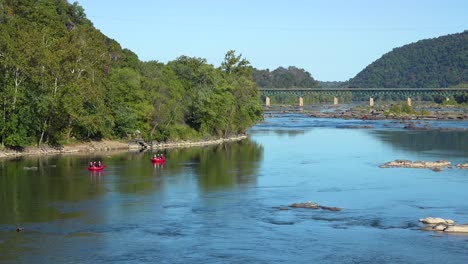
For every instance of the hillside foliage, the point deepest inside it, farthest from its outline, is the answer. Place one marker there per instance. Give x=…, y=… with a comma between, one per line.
x=431, y=63
x=62, y=80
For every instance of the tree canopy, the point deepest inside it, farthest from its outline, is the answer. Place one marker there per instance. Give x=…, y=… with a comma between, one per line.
x=62, y=80
x=291, y=77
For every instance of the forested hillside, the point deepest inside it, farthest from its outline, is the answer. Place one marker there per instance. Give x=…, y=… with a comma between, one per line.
x=62, y=80
x=438, y=62
x=291, y=77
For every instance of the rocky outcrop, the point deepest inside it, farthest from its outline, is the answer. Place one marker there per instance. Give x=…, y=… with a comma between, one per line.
x=436, y=220
x=308, y=205
x=312, y=205
x=382, y=113
x=443, y=225
x=462, y=165
x=417, y=164
x=457, y=229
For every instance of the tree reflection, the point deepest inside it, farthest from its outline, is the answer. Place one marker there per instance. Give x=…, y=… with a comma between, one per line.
x=229, y=165
x=44, y=189
x=31, y=188
x=290, y=133
x=217, y=167
x=452, y=141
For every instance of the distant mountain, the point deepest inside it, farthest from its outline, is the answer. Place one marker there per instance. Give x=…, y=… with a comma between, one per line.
x=437, y=62
x=291, y=77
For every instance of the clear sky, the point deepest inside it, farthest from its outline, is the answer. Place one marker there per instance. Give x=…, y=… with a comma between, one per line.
x=332, y=39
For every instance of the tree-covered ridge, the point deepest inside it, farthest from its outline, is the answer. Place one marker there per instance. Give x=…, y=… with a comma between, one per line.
x=63, y=80
x=291, y=77
x=437, y=62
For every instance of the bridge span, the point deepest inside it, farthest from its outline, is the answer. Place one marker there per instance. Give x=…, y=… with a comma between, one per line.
x=369, y=92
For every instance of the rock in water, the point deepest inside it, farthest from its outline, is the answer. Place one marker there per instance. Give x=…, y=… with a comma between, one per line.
x=308, y=205
x=311, y=205
x=330, y=208
x=436, y=220
x=456, y=229
x=417, y=164
x=439, y=227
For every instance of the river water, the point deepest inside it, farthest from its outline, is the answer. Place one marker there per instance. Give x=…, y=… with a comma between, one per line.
x=223, y=204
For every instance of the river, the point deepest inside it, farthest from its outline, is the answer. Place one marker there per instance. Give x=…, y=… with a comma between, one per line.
x=221, y=204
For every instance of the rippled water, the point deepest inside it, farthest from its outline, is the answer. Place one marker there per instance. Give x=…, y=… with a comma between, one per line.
x=223, y=204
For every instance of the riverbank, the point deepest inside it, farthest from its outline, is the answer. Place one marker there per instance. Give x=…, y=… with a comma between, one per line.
x=107, y=146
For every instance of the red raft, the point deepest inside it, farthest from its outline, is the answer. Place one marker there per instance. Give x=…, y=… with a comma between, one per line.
x=158, y=160
x=96, y=168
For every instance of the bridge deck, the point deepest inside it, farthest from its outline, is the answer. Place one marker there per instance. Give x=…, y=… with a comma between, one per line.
x=364, y=91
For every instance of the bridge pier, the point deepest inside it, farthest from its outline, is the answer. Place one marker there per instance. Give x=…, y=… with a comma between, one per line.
x=301, y=101
x=335, y=100
x=267, y=101
x=371, y=102
x=408, y=101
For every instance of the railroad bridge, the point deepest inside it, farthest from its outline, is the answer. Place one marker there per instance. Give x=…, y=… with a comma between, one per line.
x=369, y=92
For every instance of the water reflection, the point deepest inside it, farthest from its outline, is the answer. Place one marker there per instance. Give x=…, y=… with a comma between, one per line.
x=454, y=142
x=34, y=189
x=290, y=133
x=210, y=204
x=226, y=166
x=29, y=185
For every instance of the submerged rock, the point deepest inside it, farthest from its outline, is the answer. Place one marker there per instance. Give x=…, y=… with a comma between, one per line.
x=417, y=164
x=30, y=168
x=362, y=127
x=330, y=208
x=311, y=205
x=308, y=205
x=281, y=208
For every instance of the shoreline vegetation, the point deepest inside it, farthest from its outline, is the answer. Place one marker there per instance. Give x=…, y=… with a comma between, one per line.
x=385, y=112
x=110, y=145
x=64, y=81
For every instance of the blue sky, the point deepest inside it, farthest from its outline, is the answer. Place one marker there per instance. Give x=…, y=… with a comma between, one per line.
x=332, y=39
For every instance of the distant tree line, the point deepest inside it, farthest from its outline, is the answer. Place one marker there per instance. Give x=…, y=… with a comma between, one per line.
x=62, y=80
x=290, y=77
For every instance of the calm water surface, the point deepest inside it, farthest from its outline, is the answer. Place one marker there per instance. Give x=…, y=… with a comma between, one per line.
x=220, y=204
